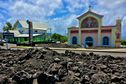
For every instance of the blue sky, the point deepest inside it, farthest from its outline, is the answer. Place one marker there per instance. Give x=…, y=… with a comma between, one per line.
x=61, y=14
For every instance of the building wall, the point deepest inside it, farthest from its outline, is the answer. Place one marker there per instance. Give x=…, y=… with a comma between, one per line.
x=71, y=33
x=35, y=31
x=113, y=37
x=110, y=35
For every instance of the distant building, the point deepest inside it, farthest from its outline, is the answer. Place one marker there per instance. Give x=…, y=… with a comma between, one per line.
x=39, y=30
x=91, y=33
x=38, y=27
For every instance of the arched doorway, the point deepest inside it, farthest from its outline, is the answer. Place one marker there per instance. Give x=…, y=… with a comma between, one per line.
x=89, y=42
x=105, y=40
x=74, y=40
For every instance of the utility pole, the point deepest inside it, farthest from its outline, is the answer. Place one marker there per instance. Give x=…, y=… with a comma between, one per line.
x=30, y=28
x=50, y=33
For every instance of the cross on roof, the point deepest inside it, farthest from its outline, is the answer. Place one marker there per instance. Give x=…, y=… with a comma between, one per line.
x=90, y=7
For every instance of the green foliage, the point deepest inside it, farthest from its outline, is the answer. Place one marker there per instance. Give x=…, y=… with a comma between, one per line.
x=1, y=43
x=8, y=27
x=123, y=42
x=58, y=37
x=1, y=36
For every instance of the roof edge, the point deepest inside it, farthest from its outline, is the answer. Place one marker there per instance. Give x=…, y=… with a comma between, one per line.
x=89, y=11
x=109, y=26
x=72, y=27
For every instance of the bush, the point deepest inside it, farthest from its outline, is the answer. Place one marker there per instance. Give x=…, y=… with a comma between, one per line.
x=57, y=37
x=123, y=42
x=1, y=43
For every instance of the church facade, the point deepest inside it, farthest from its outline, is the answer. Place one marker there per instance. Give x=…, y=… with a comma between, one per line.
x=91, y=32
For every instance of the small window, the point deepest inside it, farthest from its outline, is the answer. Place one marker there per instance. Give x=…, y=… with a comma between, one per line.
x=36, y=31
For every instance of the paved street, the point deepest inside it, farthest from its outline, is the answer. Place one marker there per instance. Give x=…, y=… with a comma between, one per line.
x=117, y=52
x=7, y=46
x=101, y=53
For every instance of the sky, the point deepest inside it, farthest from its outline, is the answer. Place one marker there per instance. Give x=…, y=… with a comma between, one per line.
x=61, y=14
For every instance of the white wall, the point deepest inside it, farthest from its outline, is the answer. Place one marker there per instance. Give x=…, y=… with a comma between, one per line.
x=26, y=31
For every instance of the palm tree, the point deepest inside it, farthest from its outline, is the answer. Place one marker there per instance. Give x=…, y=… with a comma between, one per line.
x=8, y=27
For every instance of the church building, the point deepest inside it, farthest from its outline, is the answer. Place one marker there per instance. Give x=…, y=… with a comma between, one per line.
x=91, y=32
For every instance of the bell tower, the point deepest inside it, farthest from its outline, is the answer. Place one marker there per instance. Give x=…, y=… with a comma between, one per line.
x=118, y=32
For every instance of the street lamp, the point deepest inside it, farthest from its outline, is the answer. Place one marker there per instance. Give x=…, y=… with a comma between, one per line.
x=30, y=31
x=50, y=33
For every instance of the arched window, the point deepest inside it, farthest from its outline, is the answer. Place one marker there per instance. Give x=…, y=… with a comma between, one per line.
x=106, y=40
x=74, y=40
x=89, y=39
x=89, y=42
x=89, y=22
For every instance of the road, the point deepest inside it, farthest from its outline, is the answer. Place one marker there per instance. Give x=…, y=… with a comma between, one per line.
x=115, y=54
x=7, y=45
x=100, y=53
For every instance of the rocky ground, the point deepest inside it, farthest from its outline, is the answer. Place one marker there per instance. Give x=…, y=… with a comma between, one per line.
x=44, y=66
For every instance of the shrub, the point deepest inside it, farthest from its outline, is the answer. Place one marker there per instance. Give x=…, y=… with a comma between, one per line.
x=123, y=42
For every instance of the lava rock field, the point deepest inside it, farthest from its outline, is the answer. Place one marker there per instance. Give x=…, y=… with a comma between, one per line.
x=45, y=66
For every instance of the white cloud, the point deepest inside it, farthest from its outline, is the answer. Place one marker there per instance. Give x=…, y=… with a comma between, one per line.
x=61, y=24
x=76, y=5
x=49, y=7
x=123, y=27
x=2, y=19
x=40, y=10
x=21, y=8
x=110, y=4
x=37, y=10
x=111, y=9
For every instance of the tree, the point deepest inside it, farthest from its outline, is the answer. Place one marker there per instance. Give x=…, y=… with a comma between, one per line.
x=1, y=36
x=8, y=27
x=58, y=37
x=123, y=42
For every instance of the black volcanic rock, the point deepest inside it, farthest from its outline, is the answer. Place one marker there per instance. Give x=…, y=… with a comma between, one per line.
x=50, y=67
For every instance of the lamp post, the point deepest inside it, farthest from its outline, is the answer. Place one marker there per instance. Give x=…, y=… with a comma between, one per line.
x=50, y=33
x=6, y=43
x=30, y=31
